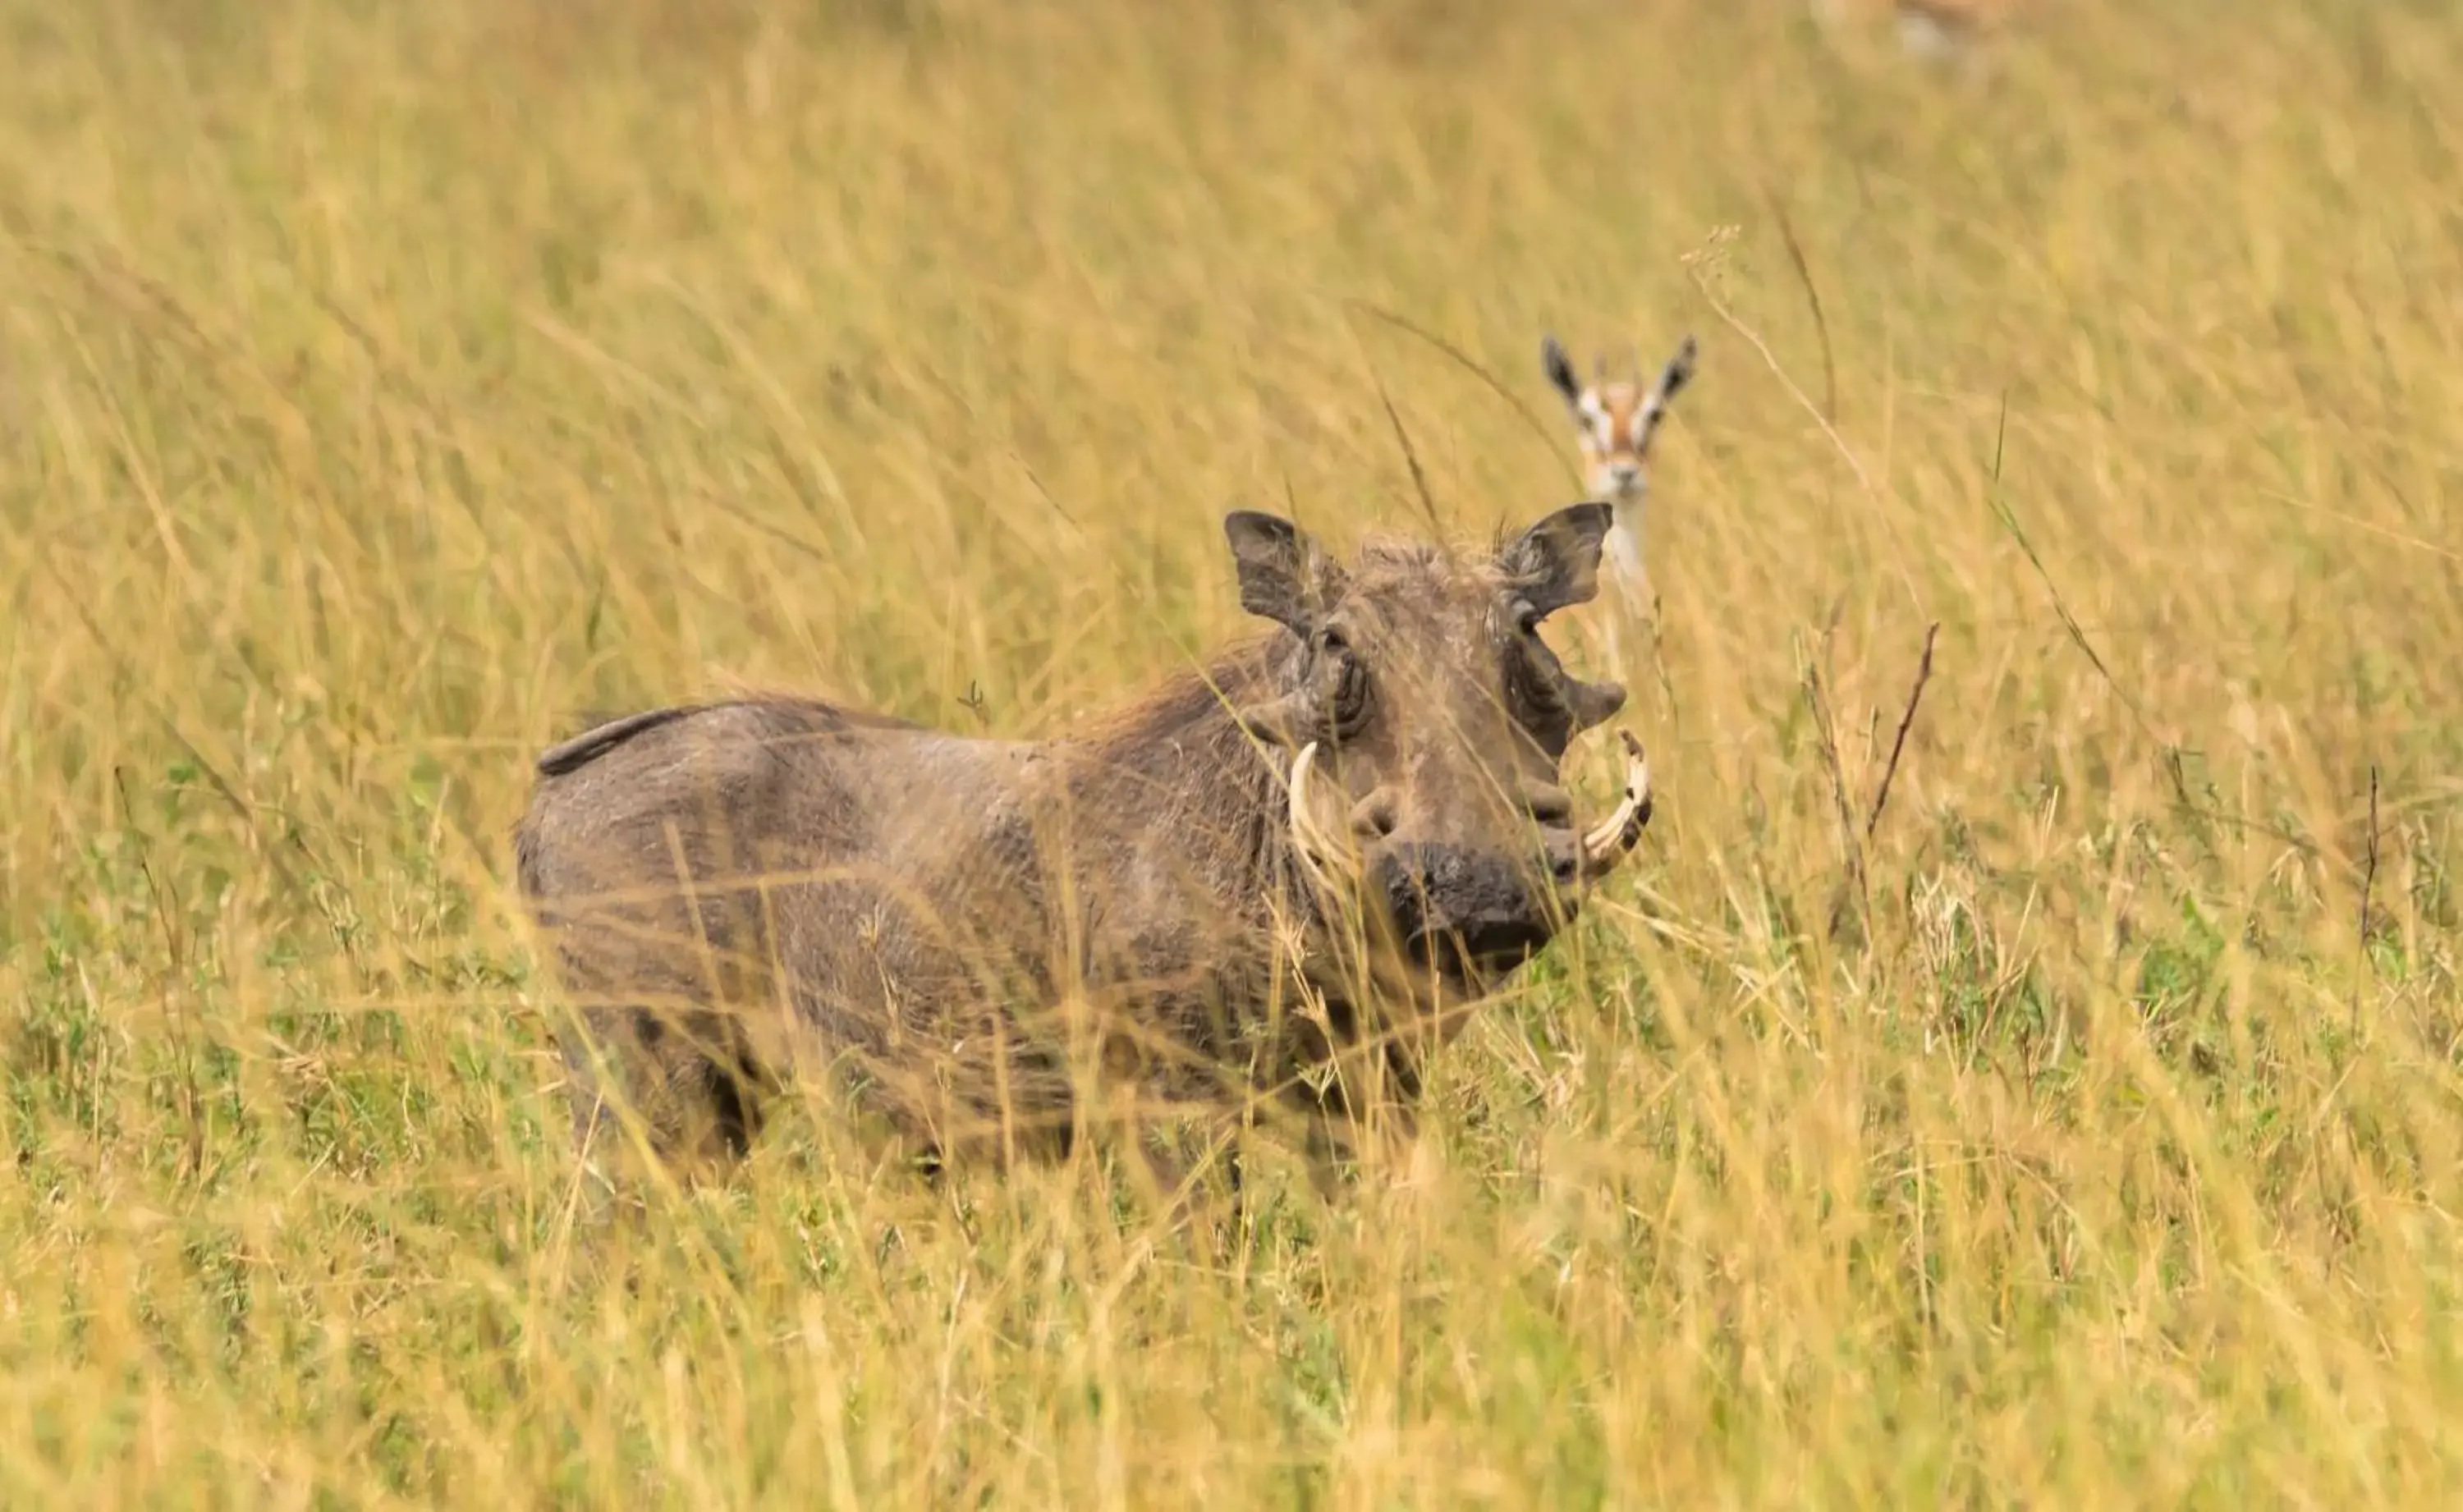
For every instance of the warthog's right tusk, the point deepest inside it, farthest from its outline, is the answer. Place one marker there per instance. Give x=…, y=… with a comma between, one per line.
x=1308, y=837
x=1613, y=839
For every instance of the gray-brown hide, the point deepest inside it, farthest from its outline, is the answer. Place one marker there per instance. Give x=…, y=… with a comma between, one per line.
x=983, y=931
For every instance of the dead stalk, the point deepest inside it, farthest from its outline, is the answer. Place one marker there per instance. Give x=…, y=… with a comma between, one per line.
x=1899, y=742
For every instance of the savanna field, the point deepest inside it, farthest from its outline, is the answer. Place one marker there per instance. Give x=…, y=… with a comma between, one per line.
x=384, y=390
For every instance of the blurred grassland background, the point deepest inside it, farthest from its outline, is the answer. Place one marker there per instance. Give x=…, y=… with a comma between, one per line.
x=382, y=387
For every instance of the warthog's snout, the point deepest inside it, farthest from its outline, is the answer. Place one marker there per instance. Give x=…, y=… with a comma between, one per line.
x=1475, y=913
x=1474, y=907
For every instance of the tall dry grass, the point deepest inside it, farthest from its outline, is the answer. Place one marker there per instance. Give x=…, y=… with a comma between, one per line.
x=382, y=387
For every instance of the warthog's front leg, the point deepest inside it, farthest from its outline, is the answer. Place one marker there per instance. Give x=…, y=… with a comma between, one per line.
x=1377, y=1134
x=1190, y=1163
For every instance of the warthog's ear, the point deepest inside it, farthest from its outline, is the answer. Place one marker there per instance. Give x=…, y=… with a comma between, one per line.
x=1556, y=562
x=1283, y=576
x=1559, y=369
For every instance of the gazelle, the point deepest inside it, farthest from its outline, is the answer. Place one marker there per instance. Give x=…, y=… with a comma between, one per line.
x=1615, y=420
x=1941, y=30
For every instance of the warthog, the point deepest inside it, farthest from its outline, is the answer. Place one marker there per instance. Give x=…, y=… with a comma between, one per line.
x=1272, y=883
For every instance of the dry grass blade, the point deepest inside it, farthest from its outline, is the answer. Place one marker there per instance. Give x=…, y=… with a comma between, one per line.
x=1803, y=269
x=1853, y=890
x=1539, y=430
x=2368, y=895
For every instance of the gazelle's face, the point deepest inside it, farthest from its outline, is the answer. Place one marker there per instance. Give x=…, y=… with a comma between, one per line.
x=1608, y=415
x=1614, y=420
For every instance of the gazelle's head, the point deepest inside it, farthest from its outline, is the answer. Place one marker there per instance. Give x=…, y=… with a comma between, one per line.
x=1615, y=418
x=1950, y=33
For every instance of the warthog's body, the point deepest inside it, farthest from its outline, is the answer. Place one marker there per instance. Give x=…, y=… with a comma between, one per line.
x=984, y=930
x=925, y=892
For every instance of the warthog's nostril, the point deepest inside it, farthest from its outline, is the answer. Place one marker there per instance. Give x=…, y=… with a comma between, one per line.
x=1372, y=817
x=1564, y=866
x=1465, y=910
x=1550, y=805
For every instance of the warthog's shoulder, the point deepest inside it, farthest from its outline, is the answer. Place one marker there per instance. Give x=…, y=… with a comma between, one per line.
x=764, y=721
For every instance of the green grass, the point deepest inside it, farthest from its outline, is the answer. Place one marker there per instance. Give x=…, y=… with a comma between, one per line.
x=382, y=387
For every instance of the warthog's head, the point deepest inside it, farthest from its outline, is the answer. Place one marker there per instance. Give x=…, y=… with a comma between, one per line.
x=1427, y=723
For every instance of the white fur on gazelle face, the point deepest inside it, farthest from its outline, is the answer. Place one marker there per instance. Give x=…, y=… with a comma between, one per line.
x=1611, y=441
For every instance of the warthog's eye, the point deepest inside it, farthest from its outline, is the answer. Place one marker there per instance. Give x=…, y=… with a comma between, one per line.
x=1526, y=618
x=1536, y=684
x=1343, y=680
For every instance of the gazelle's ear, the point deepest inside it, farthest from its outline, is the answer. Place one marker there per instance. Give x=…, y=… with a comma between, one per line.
x=1559, y=369
x=1679, y=371
x=1672, y=378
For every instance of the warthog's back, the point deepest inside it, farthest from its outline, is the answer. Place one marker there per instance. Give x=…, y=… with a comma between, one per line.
x=784, y=798
x=718, y=792
x=785, y=877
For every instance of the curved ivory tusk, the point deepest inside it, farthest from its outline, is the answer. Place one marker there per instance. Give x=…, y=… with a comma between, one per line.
x=1615, y=836
x=1308, y=837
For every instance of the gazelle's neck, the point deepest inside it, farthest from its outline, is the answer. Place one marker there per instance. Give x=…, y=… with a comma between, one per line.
x=1622, y=551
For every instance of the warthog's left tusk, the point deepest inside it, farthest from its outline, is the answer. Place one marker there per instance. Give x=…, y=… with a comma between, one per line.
x=1308, y=837
x=1613, y=839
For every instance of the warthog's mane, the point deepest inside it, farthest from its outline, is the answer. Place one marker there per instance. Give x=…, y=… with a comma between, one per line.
x=1187, y=698
x=1192, y=698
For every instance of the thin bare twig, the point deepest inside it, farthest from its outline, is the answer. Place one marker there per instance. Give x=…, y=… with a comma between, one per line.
x=2077, y=632
x=1829, y=430
x=1812, y=298
x=1410, y=453
x=1899, y=742
x=1770, y=359
x=1547, y=435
